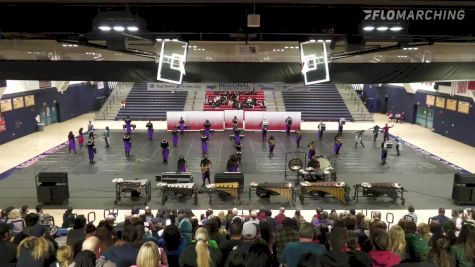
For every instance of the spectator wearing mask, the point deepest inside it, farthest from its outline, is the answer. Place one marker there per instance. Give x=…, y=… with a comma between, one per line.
x=441, y=218
x=200, y=253
x=293, y=251
x=7, y=249
x=380, y=255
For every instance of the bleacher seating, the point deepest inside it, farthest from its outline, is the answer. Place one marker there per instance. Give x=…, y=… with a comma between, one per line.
x=142, y=104
x=320, y=103
x=258, y=95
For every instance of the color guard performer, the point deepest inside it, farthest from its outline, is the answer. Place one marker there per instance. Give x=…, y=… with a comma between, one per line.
x=384, y=152
x=181, y=165
x=399, y=143
x=165, y=151
x=232, y=164
x=321, y=130
x=376, y=130
x=337, y=145
x=311, y=150
x=149, y=126
x=235, y=122
x=271, y=143
x=81, y=138
x=91, y=136
x=386, y=131
x=288, y=125
x=205, y=165
x=207, y=126
x=204, y=143
x=298, y=137
x=128, y=125
x=265, y=126
x=359, y=138
x=340, y=127
x=181, y=124
x=72, y=142
x=175, y=137
x=91, y=150
x=107, y=136
x=127, y=145
x=238, y=147
x=237, y=136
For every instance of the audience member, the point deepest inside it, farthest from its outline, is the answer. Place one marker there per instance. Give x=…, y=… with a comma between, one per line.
x=463, y=252
x=7, y=249
x=64, y=256
x=234, y=241
x=380, y=255
x=150, y=255
x=293, y=251
x=78, y=233
x=68, y=218
x=397, y=241
x=424, y=231
x=335, y=256
x=35, y=252
x=16, y=221
x=125, y=254
x=439, y=254
x=199, y=253
x=356, y=258
x=411, y=216
x=287, y=234
x=441, y=218
x=279, y=218
x=309, y=260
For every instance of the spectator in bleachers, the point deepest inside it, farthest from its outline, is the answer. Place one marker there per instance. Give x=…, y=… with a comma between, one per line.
x=463, y=252
x=298, y=217
x=293, y=251
x=15, y=221
x=126, y=253
x=213, y=227
x=356, y=258
x=335, y=256
x=309, y=260
x=24, y=211
x=150, y=255
x=235, y=240
x=380, y=255
x=424, y=231
x=33, y=228
x=412, y=216
x=417, y=251
x=201, y=252
x=35, y=252
x=439, y=254
x=64, y=256
x=265, y=232
x=78, y=233
x=397, y=240
x=279, y=218
x=68, y=218
x=7, y=249
x=441, y=218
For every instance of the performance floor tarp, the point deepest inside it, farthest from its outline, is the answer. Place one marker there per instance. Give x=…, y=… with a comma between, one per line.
x=427, y=181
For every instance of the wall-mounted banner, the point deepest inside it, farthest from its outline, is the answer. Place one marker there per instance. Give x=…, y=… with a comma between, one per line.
x=173, y=87
x=414, y=14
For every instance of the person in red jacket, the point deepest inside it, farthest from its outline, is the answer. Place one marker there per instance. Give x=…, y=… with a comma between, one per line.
x=380, y=255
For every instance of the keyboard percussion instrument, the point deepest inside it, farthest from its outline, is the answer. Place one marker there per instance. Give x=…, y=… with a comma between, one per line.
x=224, y=190
x=265, y=190
x=338, y=190
x=180, y=191
x=394, y=191
x=133, y=189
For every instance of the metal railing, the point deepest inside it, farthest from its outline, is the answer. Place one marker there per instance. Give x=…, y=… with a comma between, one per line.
x=115, y=98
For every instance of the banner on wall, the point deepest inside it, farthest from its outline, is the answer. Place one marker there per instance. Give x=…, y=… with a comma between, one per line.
x=229, y=116
x=253, y=120
x=195, y=119
x=3, y=125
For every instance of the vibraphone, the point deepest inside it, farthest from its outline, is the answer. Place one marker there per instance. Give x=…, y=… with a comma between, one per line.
x=225, y=190
x=265, y=190
x=394, y=191
x=338, y=190
x=136, y=188
x=181, y=190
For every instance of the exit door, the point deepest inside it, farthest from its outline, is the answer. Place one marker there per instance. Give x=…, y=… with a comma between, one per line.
x=425, y=116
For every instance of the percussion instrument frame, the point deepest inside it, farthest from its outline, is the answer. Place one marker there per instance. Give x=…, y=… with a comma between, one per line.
x=222, y=190
x=119, y=191
x=166, y=191
x=269, y=188
x=394, y=193
x=306, y=192
x=292, y=155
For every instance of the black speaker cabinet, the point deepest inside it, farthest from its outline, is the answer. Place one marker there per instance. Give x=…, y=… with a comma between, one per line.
x=463, y=192
x=52, y=187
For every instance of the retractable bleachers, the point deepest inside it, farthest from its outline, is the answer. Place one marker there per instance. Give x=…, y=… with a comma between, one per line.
x=321, y=102
x=142, y=104
x=258, y=95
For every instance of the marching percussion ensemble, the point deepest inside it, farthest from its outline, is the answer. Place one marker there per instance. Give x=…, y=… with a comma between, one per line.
x=133, y=189
x=180, y=190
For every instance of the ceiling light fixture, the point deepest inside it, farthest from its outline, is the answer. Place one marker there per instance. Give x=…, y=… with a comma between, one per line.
x=312, y=41
x=158, y=39
x=328, y=41
x=395, y=28
x=119, y=28
x=286, y=47
x=132, y=28
x=104, y=28
x=382, y=28
x=368, y=28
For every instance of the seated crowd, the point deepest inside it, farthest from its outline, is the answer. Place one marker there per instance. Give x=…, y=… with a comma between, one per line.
x=179, y=238
x=235, y=99
x=398, y=117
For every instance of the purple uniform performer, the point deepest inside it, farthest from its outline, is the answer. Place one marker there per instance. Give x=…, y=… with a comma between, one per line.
x=237, y=136
x=271, y=143
x=127, y=145
x=233, y=164
x=149, y=126
x=181, y=165
x=181, y=124
x=337, y=145
x=175, y=137
x=207, y=126
x=91, y=150
x=204, y=144
x=165, y=151
x=311, y=151
x=128, y=125
x=298, y=137
x=71, y=142
x=321, y=129
x=288, y=125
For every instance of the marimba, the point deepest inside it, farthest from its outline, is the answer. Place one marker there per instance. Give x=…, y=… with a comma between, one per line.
x=224, y=190
x=338, y=190
x=265, y=190
x=394, y=191
x=136, y=188
x=181, y=190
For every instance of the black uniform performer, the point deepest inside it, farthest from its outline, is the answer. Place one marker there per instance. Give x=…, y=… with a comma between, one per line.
x=376, y=130
x=288, y=125
x=205, y=166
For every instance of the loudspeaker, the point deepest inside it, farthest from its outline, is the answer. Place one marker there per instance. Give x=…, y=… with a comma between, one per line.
x=463, y=192
x=52, y=187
